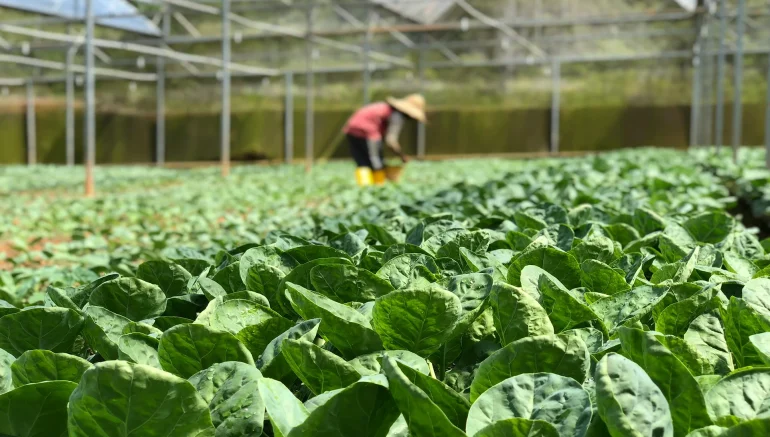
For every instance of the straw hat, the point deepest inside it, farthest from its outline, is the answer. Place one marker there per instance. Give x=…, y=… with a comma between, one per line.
x=412, y=105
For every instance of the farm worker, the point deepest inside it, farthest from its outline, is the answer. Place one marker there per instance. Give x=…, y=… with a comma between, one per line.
x=367, y=128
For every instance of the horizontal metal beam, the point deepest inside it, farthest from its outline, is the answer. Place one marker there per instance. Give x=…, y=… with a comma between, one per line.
x=136, y=48
x=283, y=31
x=61, y=66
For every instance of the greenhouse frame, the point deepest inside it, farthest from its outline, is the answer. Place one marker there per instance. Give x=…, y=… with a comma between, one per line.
x=117, y=38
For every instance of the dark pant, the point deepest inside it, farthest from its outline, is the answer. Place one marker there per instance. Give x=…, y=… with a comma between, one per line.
x=366, y=153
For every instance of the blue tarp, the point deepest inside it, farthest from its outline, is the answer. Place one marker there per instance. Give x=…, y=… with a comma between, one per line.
x=118, y=14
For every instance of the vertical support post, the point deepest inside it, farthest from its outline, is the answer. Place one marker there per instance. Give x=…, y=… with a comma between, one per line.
x=767, y=117
x=555, y=105
x=309, y=122
x=288, y=125
x=160, y=94
x=696, y=90
x=421, y=81
x=70, y=110
x=366, y=55
x=720, y=115
x=225, y=135
x=738, y=80
x=31, y=125
x=90, y=137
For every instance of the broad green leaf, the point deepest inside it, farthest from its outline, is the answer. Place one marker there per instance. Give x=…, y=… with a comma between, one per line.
x=676, y=318
x=697, y=363
x=256, y=337
x=164, y=323
x=371, y=364
x=211, y=289
x=300, y=275
x=518, y=427
x=230, y=278
x=756, y=293
x=365, y=408
x=417, y=320
x=271, y=362
x=318, y=369
x=36, y=410
x=102, y=330
x=131, y=298
x=233, y=315
x=629, y=403
x=632, y=305
x=601, y=278
x=6, y=373
x=685, y=399
x=345, y=283
x=171, y=278
x=306, y=254
x=742, y=395
x=143, y=401
x=622, y=233
x=595, y=246
x=347, y=329
x=517, y=314
x=420, y=408
x=756, y=427
x=647, y=221
x=42, y=365
x=235, y=403
x=53, y=329
x=284, y=410
x=187, y=306
x=555, y=399
x=761, y=343
x=268, y=256
x=564, y=310
x=185, y=350
x=741, y=321
x=707, y=335
x=409, y=269
x=400, y=249
x=740, y=265
x=139, y=348
x=562, y=265
x=75, y=298
x=566, y=356
x=710, y=227
x=679, y=271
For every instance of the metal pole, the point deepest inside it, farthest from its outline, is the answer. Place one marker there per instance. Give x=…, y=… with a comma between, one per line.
x=289, y=119
x=555, y=105
x=225, y=155
x=696, y=89
x=160, y=95
x=309, y=92
x=31, y=125
x=720, y=115
x=70, y=110
x=767, y=117
x=738, y=85
x=367, y=48
x=90, y=157
x=421, y=80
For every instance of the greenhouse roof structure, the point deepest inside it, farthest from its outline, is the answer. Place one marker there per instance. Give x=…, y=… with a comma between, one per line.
x=156, y=41
x=422, y=12
x=118, y=14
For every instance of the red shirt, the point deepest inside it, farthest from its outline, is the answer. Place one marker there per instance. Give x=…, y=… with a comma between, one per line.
x=370, y=122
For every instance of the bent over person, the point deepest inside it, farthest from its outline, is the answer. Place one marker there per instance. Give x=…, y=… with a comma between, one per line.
x=367, y=128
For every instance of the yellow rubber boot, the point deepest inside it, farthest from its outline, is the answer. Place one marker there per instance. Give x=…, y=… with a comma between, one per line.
x=380, y=177
x=364, y=176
